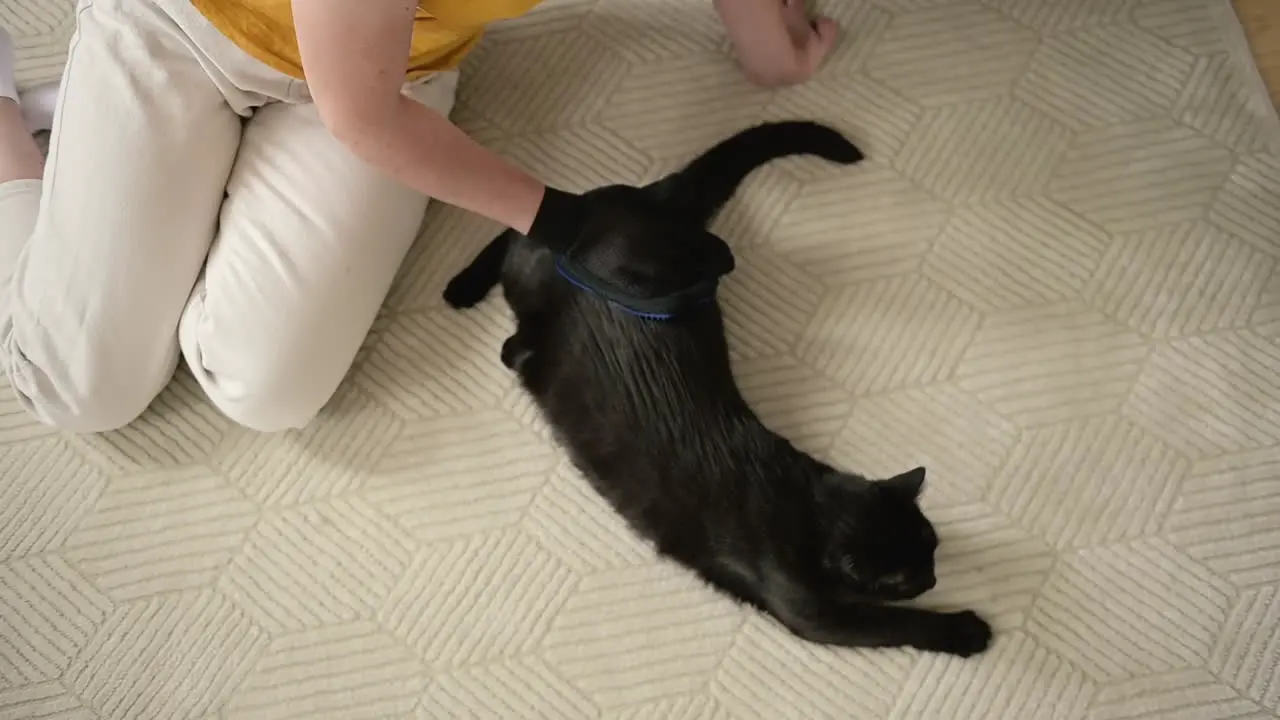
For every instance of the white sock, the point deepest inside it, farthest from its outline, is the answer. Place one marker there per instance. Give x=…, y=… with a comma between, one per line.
x=8, y=86
x=37, y=103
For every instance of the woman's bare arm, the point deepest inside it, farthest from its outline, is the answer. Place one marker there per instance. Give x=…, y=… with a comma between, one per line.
x=355, y=54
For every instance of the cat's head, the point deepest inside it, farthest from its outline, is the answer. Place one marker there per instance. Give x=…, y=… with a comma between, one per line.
x=877, y=544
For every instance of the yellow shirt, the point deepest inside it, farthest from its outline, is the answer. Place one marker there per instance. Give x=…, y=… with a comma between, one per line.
x=444, y=30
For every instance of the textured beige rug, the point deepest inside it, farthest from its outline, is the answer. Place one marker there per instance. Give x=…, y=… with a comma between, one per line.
x=1054, y=283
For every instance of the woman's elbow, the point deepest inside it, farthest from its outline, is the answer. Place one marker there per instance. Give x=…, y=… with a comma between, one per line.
x=352, y=120
x=346, y=123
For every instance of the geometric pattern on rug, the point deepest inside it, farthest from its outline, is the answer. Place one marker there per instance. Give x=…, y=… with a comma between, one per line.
x=1055, y=282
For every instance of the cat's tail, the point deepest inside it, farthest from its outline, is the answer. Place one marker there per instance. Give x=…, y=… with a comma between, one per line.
x=704, y=186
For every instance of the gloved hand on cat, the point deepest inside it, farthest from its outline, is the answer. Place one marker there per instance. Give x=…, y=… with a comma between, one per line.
x=563, y=216
x=623, y=243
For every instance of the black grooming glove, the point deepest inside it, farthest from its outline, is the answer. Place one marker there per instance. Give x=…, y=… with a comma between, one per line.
x=560, y=218
x=563, y=216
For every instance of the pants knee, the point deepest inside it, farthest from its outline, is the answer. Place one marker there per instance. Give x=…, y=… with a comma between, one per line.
x=264, y=391
x=270, y=375
x=81, y=395
x=264, y=407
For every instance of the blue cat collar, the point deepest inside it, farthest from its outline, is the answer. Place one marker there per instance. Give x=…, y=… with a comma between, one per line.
x=666, y=307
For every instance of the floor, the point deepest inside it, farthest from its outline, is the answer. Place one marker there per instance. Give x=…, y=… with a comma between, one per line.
x=1261, y=20
x=1055, y=283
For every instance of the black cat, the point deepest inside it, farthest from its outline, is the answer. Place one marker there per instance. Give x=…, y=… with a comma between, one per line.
x=620, y=341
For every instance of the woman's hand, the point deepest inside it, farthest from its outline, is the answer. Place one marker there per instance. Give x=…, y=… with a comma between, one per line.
x=776, y=41
x=813, y=36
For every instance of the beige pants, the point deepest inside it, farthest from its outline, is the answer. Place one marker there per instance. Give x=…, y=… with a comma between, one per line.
x=193, y=204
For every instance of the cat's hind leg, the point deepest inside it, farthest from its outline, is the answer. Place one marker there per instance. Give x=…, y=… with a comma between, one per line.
x=515, y=352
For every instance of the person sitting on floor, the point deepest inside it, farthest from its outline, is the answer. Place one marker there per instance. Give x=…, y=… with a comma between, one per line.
x=236, y=182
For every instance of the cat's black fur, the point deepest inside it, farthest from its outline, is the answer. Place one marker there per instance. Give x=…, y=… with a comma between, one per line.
x=650, y=413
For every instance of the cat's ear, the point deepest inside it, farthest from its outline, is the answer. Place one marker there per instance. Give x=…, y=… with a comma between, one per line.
x=713, y=256
x=908, y=484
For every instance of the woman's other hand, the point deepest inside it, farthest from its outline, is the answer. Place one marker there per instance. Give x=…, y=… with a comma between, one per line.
x=777, y=42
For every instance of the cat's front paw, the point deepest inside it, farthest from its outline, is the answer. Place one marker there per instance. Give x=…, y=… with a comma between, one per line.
x=963, y=633
x=465, y=291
